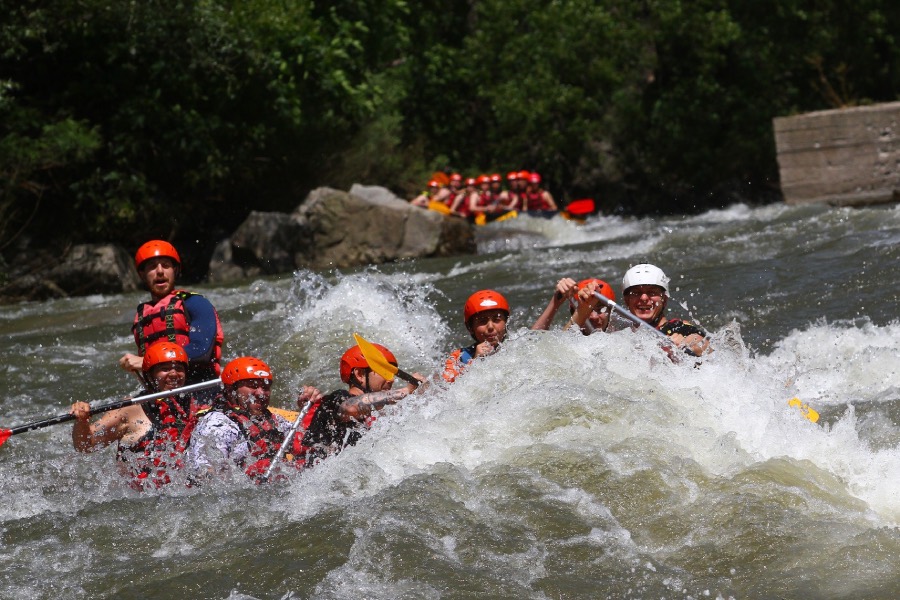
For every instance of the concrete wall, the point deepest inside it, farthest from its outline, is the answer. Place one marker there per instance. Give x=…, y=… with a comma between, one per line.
x=845, y=157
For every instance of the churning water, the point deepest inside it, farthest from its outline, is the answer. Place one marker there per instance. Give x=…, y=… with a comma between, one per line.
x=562, y=467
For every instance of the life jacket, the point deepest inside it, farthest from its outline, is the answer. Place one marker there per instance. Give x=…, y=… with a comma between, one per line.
x=536, y=201
x=487, y=201
x=262, y=435
x=159, y=451
x=167, y=319
x=684, y=328
x=325, y=434
x=463, y=208
x=457, y=362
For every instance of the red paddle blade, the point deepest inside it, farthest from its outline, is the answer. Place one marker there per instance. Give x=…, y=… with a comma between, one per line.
x=4, y=435
x=581, y=207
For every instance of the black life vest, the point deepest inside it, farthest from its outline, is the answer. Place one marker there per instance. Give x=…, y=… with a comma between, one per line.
x=326, y=434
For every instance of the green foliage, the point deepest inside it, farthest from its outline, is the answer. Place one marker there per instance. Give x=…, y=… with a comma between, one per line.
x=119, y=121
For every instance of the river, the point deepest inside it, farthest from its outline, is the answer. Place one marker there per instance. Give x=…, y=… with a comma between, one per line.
x=563, y=466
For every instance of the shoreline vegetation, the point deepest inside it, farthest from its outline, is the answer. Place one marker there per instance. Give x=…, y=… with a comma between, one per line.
x=175, y=121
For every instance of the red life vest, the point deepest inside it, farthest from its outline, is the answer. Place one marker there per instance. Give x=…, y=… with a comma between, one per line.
x=537, y=201
x=167, y=319
x=264, y=438
x=159, y=451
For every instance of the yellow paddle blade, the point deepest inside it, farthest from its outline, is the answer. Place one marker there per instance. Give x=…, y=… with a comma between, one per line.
x=807, y=411
x=377, y=361
x=439, y=207
x=290, y=415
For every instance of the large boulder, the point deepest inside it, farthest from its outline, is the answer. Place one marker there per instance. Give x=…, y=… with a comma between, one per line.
x=265, y=243
x=84, y=269
x=337, y=229
x=371, y=225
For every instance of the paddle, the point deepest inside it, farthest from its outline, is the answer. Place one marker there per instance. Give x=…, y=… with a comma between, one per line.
x=804, y=409
x=6, y=433
x=379, y=364
x=579, y=208
x=287, y=440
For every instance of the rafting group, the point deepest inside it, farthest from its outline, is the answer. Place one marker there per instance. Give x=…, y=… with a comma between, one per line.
x=206, y=420
x=485, y=199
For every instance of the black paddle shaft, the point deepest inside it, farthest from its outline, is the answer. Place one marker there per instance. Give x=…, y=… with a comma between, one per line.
x=113, y=406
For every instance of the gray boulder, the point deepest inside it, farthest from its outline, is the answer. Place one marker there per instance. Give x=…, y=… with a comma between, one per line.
x=337, y=229
x=370, y=225
x=84, y=269
x=265, y=243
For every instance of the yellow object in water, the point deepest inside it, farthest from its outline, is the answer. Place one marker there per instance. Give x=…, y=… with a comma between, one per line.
x=807, y=411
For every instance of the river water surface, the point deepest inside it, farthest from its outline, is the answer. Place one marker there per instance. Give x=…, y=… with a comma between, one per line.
x=564, y=466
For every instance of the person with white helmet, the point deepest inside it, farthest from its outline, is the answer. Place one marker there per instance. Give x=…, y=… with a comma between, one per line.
x=646, y=291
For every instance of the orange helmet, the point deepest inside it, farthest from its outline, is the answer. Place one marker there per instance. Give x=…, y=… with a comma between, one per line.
x=163, y=352
x=534, y=178
x=456, y=177
x=471, y=181
x=524, y=175
x=484, y=300
x=153, y=249
x=496, y=177
x=245, y=367
x=354, y=359
x=512, y=175
x=603, y=288
x=482, y=179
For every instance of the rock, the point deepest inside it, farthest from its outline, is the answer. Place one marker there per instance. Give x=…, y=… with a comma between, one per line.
x=371, y=226
x=265, y=243
x=337, y=229
x=84, y=269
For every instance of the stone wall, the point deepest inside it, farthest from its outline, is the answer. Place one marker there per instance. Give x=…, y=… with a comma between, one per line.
x=843, y=157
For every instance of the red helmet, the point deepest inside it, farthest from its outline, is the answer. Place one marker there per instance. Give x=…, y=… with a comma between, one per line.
x=456, y=177
x=434, y=183
x=153, y=249
x=354, y=359
x=496, y=177
x=471, y=181
x=482, y=179
x=484, y=300
x=512, y=175
x=602, y=288
x=524, y=175
x=163, y=352
x=245, y=367
x=534, y=178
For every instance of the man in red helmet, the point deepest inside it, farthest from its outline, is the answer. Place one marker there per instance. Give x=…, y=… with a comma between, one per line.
x=240, y=429
x=178, y=316
x=339, y=418
x=485, y=313
x=151, y=437
x=580, y=297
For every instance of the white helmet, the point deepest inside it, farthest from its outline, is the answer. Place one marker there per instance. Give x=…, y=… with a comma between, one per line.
x=645, y=274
